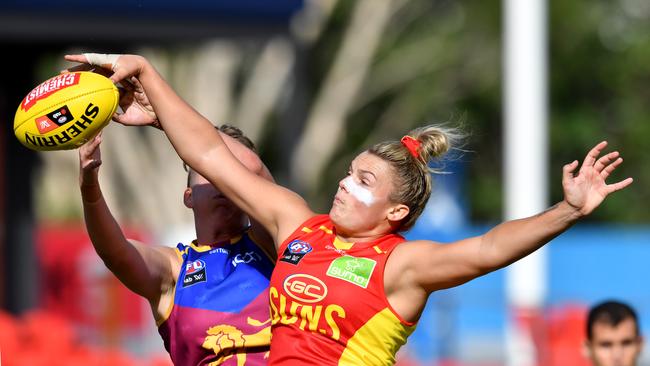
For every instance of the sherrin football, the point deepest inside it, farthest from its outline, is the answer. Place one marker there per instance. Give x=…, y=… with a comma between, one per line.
x=65, y=111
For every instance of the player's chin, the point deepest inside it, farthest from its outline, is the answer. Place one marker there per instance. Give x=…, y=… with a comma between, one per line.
x=337, y=215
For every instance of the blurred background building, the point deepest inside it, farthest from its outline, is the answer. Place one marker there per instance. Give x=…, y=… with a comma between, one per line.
x=313, y=82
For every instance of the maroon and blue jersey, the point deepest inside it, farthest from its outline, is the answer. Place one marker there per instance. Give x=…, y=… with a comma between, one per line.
x=220, y=312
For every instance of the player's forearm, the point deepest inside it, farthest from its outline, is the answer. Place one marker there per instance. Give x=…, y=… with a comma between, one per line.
x=104, y=232
x=513, y=240
x=189, y=132
x=136, y=266
x=89, y=186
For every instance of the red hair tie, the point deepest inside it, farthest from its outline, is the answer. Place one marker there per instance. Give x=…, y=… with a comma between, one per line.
x=411, y=144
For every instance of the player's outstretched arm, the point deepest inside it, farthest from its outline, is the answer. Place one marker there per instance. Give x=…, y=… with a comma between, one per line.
x=149, y=271
x=203, y=149
x=452, y=264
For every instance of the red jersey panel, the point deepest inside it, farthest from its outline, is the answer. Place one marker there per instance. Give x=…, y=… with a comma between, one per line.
x=328, y=305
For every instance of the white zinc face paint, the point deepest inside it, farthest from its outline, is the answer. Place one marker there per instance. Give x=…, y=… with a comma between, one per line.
x=358, y=192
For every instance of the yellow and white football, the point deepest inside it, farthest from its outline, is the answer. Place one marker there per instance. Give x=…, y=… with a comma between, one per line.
x=65, y=111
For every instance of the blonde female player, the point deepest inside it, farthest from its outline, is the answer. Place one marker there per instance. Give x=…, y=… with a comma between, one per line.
x=347, y=289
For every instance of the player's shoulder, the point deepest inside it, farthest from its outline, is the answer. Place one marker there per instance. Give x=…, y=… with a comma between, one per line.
x=416, y=247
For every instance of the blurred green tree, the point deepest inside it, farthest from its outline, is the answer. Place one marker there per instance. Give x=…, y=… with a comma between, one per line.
x=440, y=61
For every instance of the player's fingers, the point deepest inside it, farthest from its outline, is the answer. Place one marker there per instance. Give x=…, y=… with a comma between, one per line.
x=76, y=58
x=119, y=75
x=126, y=84
x=102, y=59
x=610, y=168
x=136, y=83
x=118, y=117
x=592, y=155
x=605, y=160
x=619, y=185
x=80, y=67
x=93, y=144
x=567, y=171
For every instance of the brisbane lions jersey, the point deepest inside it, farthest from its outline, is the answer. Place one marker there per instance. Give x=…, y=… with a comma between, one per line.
x=220, y=312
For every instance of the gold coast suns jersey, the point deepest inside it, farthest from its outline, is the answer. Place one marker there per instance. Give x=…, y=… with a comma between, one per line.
x=328, y=305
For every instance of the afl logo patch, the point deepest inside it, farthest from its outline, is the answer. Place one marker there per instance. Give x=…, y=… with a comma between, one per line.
x=299, y=247
x=194, y=273
x=305, y=288
x=295, y=251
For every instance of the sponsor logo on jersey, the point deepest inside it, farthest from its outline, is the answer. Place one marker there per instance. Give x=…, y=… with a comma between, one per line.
x=331, y=247
x=295, y=251
x=48, y=88
x=219, y=250
x=54, y=119
x=352, y=269
x=194, y=273
x=305, y=288
x=246, y=258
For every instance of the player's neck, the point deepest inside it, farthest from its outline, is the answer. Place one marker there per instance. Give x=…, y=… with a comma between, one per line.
x=362, y=236
x=218, y=234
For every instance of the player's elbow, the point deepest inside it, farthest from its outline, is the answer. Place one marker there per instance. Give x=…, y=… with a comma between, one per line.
x=251, y=161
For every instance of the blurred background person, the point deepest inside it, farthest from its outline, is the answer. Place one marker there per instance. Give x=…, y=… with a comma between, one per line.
x=613, y=335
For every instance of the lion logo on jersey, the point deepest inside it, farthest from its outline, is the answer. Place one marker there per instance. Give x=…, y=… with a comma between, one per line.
x=227, y=341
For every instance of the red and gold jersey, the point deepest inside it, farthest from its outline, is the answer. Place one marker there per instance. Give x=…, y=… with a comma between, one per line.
x=328, y=305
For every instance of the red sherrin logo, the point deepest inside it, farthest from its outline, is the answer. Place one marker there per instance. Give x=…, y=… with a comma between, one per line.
x=48, y=88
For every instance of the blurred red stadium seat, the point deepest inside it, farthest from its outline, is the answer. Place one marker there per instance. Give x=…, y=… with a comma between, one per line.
x=42, y=338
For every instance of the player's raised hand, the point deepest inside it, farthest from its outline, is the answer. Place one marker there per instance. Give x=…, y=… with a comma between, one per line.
x=588, y=188
x=123, y=70
x=136, y=108
x=90, y=158
x=123, y=66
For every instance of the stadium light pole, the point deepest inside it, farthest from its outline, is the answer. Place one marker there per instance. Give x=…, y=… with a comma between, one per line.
x=526, y=161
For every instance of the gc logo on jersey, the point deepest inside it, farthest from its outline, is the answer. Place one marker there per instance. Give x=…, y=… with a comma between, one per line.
x=295, y=251
x=305, y=288
x=194, y=273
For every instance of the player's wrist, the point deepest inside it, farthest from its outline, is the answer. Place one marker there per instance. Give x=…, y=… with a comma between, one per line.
x=89, y=178
x=570, y=212
x=91, y=192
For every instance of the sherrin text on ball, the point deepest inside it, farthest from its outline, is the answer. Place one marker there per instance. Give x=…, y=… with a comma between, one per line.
x=65, y=111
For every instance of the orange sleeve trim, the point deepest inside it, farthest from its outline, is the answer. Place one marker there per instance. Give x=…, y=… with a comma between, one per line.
x=164, y=318
x=178, y=254
x=329, y=231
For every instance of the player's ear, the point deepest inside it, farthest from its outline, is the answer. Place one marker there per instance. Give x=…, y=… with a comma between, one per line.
x=397, y=212
x=187, y=197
